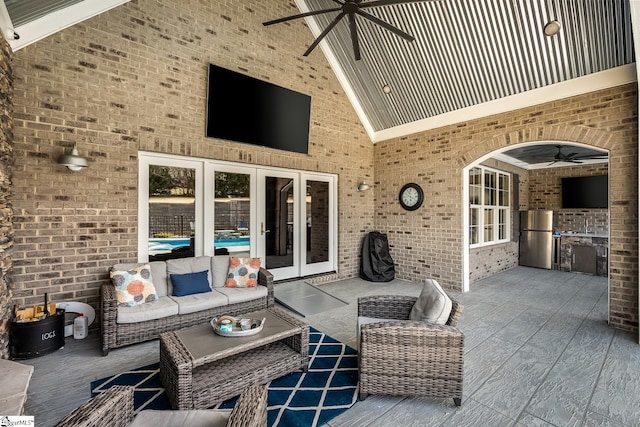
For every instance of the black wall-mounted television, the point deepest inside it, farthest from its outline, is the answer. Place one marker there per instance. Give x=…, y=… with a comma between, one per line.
x=585, y=192
x=245, y=109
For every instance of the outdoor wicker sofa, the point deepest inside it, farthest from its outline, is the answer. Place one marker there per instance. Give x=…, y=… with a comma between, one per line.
x=409, y=358
x=114, y=408
x=128, y=325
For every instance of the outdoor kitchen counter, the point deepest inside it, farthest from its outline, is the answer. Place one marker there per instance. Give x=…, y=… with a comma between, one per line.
x=597, y=235
x=585, y=253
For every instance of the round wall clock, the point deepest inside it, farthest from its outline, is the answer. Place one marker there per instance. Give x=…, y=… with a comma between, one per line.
x=411, y=196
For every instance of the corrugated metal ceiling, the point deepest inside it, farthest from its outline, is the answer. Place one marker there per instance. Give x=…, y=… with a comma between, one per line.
x=25, y=11
x=468, y=52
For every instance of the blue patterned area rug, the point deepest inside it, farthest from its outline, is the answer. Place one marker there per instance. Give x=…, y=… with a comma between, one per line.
x=329, y=388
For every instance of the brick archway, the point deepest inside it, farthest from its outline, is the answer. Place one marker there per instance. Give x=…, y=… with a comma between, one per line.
x=623, y=212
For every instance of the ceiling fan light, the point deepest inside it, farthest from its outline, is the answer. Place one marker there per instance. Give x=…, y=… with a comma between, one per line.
x=552, y=28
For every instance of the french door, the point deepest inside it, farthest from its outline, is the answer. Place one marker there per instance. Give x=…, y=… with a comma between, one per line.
x=297, y=223
x=189, y=206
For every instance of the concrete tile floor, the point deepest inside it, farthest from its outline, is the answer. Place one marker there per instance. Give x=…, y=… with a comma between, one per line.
x=538, y=353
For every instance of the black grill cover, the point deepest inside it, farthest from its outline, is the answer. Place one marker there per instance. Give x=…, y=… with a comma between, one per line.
x=376, y=264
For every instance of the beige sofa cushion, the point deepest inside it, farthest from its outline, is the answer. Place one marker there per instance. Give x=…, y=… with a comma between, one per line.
x=236, y=295
x=158, y=309
x=220, y=268
x=183, y=418
x=158, y=274
x=198, y=302
x=188, y=265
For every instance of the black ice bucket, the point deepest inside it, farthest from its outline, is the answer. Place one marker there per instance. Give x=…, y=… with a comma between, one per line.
x=32, y=339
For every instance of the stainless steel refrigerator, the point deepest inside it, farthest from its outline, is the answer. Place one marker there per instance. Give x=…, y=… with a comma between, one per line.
x=536, y=238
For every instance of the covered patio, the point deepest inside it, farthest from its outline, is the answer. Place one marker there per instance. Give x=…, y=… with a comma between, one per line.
x=538, y=351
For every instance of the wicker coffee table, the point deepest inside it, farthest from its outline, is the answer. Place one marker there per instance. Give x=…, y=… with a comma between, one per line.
x=200, y=369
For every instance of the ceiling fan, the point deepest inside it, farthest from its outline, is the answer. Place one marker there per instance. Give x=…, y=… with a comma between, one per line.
x=351, y=8
x=574, y=157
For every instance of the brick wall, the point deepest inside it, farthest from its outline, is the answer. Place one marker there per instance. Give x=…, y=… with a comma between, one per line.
x=6, y=211
x=134, y=78
x=429, y=240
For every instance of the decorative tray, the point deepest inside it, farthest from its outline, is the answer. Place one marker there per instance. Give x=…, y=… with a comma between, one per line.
x=240, y=326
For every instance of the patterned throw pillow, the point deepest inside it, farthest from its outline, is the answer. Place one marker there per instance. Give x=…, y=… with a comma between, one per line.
x=243, y=273
x=134, y=287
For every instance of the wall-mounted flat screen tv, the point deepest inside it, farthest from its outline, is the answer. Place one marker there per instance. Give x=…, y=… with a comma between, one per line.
x=245, y=109
x=585, y=192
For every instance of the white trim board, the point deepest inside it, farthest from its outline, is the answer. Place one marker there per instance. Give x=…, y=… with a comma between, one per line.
x=589, y=83
x=49, y=24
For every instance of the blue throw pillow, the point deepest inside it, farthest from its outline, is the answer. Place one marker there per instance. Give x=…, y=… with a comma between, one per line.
x=190, y=283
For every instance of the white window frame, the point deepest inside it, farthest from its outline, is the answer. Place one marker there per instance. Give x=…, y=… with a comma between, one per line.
x=482, y=207
x=144, y=162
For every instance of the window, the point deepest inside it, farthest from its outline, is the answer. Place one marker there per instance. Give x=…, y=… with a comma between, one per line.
x=489, y=213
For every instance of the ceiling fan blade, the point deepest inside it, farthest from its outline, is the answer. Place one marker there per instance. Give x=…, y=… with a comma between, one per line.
x=386, y=25
x=354, y=36
x=301, y=15
x=378, y=3
x=324, y=33
x=592, y=157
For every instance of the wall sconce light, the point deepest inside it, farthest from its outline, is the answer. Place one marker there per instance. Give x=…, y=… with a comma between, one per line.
x=73, y=161
x=363, y=186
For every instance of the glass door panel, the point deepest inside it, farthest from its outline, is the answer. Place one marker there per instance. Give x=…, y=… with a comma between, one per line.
x=232, y=214
x=170, y=204
x=317, y=211
x=278, y=234
x=319, y=229
x=172, y=212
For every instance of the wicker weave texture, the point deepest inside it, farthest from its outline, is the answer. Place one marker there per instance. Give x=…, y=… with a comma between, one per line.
x=113, y=408
x=202, y=383
x=116, y=335
x=409, y=358
x=250, y=409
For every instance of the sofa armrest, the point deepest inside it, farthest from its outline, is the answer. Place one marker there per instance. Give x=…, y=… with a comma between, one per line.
x=399, y=307
x=108, y=316
x=113, y=407
x=386, y=306
x=250, y=409
x=265, y=278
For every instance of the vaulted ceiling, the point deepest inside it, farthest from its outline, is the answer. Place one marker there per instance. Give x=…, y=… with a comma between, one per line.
x=468, y=53
x=470, y=57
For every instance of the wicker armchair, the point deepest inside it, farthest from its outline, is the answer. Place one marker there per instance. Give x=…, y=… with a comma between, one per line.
x=114, y=408
x=409, y=358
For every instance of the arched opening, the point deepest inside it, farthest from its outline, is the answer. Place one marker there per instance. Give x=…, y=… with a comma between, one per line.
x=535, y=170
